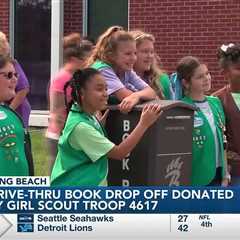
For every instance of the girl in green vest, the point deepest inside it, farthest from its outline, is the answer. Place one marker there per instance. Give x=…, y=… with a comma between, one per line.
x=208, y=163
x=114, y=56
x=83, y=148
x=146, y=65
x=13, y=160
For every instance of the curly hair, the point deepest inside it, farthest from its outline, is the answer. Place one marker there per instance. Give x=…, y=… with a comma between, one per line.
x=228, y=55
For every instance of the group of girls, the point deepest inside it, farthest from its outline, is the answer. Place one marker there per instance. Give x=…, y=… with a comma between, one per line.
x=123, y=68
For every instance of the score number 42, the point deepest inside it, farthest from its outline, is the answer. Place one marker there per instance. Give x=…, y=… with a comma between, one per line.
x=183, y=219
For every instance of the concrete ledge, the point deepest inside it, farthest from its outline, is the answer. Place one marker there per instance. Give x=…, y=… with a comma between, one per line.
x=39, y=118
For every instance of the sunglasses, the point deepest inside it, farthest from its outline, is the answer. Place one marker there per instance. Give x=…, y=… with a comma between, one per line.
x=9, y=75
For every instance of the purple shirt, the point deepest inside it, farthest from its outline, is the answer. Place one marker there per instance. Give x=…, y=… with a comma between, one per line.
x=130, y=80
x=24, y=108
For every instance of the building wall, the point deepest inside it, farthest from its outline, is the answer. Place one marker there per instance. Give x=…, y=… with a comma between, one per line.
x=72, y=16
x=4, y=19
x=183, y=27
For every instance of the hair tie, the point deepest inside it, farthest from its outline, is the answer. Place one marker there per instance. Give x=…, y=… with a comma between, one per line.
x=224, y=47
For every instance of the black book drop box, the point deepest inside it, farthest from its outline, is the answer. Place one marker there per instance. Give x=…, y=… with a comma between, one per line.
x=164, y=154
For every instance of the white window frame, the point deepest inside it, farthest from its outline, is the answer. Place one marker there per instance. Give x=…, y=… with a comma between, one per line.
x=40, y=118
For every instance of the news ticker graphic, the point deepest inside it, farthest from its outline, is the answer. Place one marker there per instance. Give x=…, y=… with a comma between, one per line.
x=5, y=225
x=121, y=226
x=24, y=181
x=30, y=209
x=119, y=200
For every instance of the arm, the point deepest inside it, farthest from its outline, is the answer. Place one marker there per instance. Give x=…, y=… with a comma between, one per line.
x=149, y=115
x=57, y=98
x=146, y=94
x=86, y=138
x=120, y=151
x=22, y=88
x=123, y=93
x=18, y=99
x=116, y=87
x=227, y=177
x=57, y=108
x=131, y=100
x=143, y=92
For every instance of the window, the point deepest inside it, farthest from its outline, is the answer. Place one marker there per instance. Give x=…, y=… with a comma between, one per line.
x=105, y=13
x=32, y=46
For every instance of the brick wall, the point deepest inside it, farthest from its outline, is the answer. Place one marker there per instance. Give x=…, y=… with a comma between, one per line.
x=184, y=27
x=72, y=16
x=181, y=27
x=4, y=19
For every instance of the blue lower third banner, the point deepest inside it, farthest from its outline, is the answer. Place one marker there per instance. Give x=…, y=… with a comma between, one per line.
x=119, y=200
x=119, y=213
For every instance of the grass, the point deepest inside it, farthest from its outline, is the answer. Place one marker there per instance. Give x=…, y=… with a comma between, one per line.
x=39, y=151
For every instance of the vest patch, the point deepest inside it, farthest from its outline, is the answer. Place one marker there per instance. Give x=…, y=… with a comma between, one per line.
x=2, y=115
x=198, y=122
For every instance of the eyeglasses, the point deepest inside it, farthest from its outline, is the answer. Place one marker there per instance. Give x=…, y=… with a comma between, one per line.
x=9, y=75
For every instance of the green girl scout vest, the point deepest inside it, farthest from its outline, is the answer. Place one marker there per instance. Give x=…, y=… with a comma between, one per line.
x=164, y=84
x=13, y=160
x=73, y=167
x=203, y=148
x=99, y=65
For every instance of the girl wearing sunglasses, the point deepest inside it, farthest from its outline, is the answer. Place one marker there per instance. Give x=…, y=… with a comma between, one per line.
x=13, y=160
x=19, y=102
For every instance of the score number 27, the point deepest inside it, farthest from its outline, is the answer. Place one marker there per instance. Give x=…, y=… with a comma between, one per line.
x=183, y=219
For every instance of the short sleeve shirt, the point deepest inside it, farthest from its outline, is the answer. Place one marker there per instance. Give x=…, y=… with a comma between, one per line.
x=130, y=80
x=86, y=138
x=59, y=80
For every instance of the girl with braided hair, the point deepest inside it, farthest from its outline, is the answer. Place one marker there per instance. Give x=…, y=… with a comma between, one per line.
x=229, y=61
x=83, y=147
